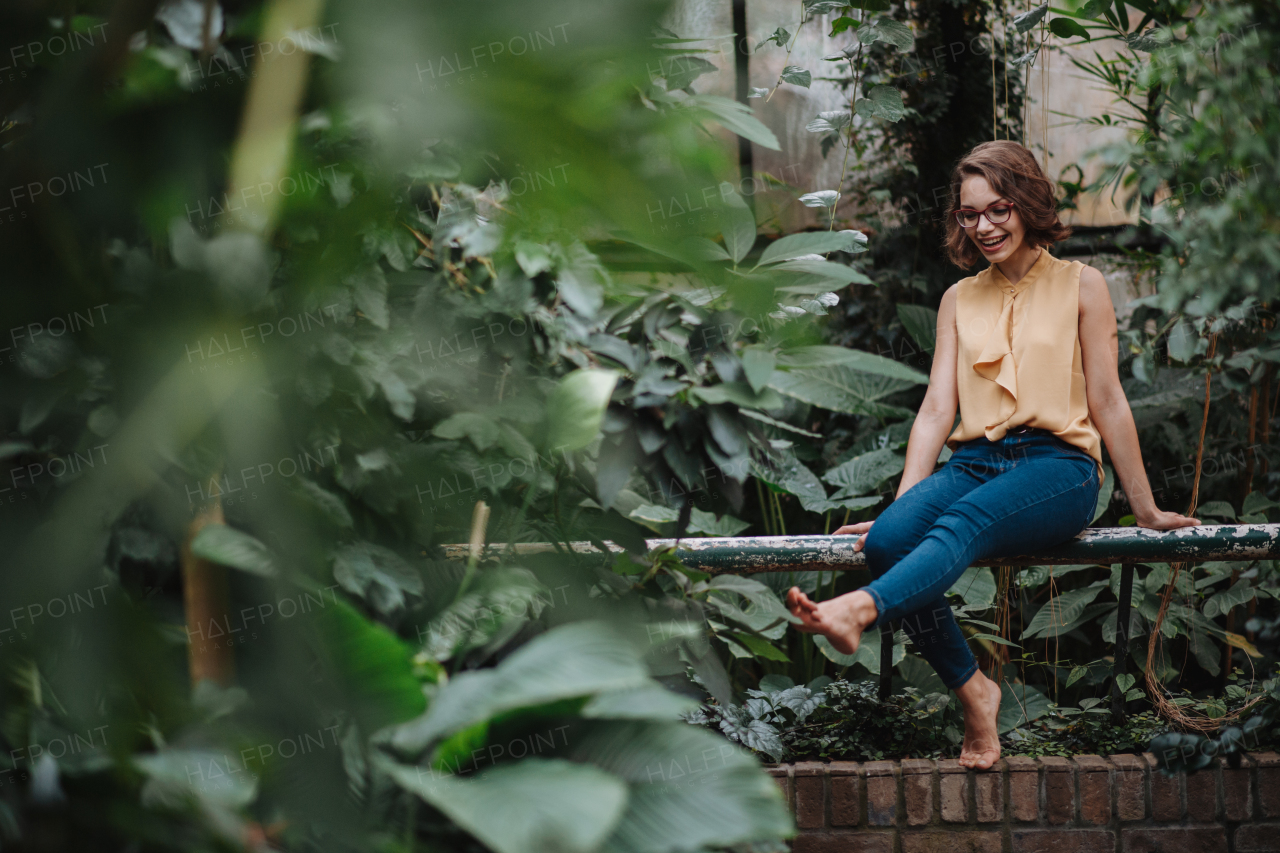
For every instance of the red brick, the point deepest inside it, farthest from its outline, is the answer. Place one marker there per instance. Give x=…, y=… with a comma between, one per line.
x=1024, y=788
x=917, y=793
x=882, y=793
x=1174, y=839
x=1130, y=783
x=781, y=774
x=1268, y=782
x=1093, y=780
x=953, y=797
x=1059, y=790
x=1258, y=838
x=1237, y=804
x=952, y=841
x=1202, y=795
x=844, y=800
x=862, y=842
x=810, y=768
x=810, y=811
x=988, y=792
x=1063, y=841
x=1166, y=792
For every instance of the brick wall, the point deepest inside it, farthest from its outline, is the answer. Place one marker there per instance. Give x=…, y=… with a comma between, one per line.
x=1085, y=804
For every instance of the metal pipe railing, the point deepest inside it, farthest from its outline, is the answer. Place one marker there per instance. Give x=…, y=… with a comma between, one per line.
x=1102, y=545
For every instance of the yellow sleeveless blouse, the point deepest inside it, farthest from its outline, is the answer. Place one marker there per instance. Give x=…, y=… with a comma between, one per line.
x=1019, y=355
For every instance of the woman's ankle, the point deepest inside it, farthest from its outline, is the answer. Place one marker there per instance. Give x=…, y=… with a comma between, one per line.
x=862, y=608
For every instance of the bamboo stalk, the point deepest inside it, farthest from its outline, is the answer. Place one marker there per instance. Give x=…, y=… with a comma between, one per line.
x=207, y=602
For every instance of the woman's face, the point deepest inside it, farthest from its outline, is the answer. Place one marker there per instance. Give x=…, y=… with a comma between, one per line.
x=996, y=242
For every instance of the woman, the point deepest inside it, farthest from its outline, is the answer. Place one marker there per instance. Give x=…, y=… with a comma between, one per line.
x=1027, y=349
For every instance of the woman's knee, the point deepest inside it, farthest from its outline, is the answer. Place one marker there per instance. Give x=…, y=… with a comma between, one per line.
x=880, y=556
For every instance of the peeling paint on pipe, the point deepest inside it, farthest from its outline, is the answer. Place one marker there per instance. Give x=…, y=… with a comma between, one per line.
x=753, y=554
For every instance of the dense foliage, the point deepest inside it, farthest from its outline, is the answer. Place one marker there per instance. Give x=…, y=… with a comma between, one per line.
x=302, y=293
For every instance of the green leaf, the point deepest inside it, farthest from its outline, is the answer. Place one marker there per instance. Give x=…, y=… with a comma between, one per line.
x=830, y=274
x=1124, y=682
x=888, y=30
x=839, y=25
x=736, y=117
x=762, y=598
x=1020, y=704
x=796, y=76
x=576, y=407
x=1257, y=502
x=871, y=5
x=759, y=646
x=537, y=805
x=862, y=474
x=829, y=121
x=482, y=431
x=230, y=547
x=884, y=102
x=681, y=71
x=780, y=37
x=842, y=389
x=706, y=522
x=821, y=198
x=1060, y=613
x=1105, y=492
x=1027, y=20
x=758, y=364
x=1219, y=509
x=371, y=665
x=822, y=355
x=993, y=638
x=921, y=324
x=575, y=660
x=739, y=393
x=690, y=789
x=977, y=586
x=649, y=702
x=813, y=243
x=1094, y=8
x=1077, y=673
x=740, y=234
x=1241, y=592
x=376, y=574
x=1067, y=28
x=765, y=419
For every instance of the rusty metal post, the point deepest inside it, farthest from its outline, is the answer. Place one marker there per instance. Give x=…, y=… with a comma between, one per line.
x=1121, y=665
x=207, y=602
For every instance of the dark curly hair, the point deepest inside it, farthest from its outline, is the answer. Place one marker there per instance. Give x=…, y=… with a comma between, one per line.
x=1013, y=172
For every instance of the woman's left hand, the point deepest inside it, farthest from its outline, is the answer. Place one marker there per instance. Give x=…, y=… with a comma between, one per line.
x=1166, y=520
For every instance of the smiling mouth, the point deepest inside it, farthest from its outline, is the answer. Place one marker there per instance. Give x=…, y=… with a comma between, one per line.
x=993, y=244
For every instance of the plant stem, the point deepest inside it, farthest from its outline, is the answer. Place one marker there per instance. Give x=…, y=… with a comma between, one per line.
x=854, y=66
x=787, y=59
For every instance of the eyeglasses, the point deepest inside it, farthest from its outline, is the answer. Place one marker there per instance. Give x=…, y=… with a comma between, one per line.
x=996, y=214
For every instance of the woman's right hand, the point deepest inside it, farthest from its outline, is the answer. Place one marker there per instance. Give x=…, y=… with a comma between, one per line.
x=851, y=529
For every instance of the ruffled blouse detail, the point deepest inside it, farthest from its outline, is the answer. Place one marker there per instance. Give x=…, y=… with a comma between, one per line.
x=1018, y=355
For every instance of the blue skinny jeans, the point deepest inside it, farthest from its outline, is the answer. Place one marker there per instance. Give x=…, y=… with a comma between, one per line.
x=1023, y=493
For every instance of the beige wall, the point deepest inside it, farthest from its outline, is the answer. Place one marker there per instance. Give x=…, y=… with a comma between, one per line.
x=1060, y=96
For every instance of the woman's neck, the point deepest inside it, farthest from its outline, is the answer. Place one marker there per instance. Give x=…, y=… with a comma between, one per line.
x=1016, y=265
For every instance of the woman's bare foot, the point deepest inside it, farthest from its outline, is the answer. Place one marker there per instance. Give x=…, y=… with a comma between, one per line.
x=841, y=619
x=980, y=697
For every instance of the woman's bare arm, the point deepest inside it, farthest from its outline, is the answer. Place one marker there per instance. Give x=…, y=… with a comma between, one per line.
x=1108, y=407
x=937, y=413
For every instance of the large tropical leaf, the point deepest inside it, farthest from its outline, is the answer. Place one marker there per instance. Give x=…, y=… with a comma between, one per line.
x=1061, y=613
x=539, y=805
x=690, y=789
x=862, y=474
x=821, y=355
x=577, y=660
x=842, y=389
